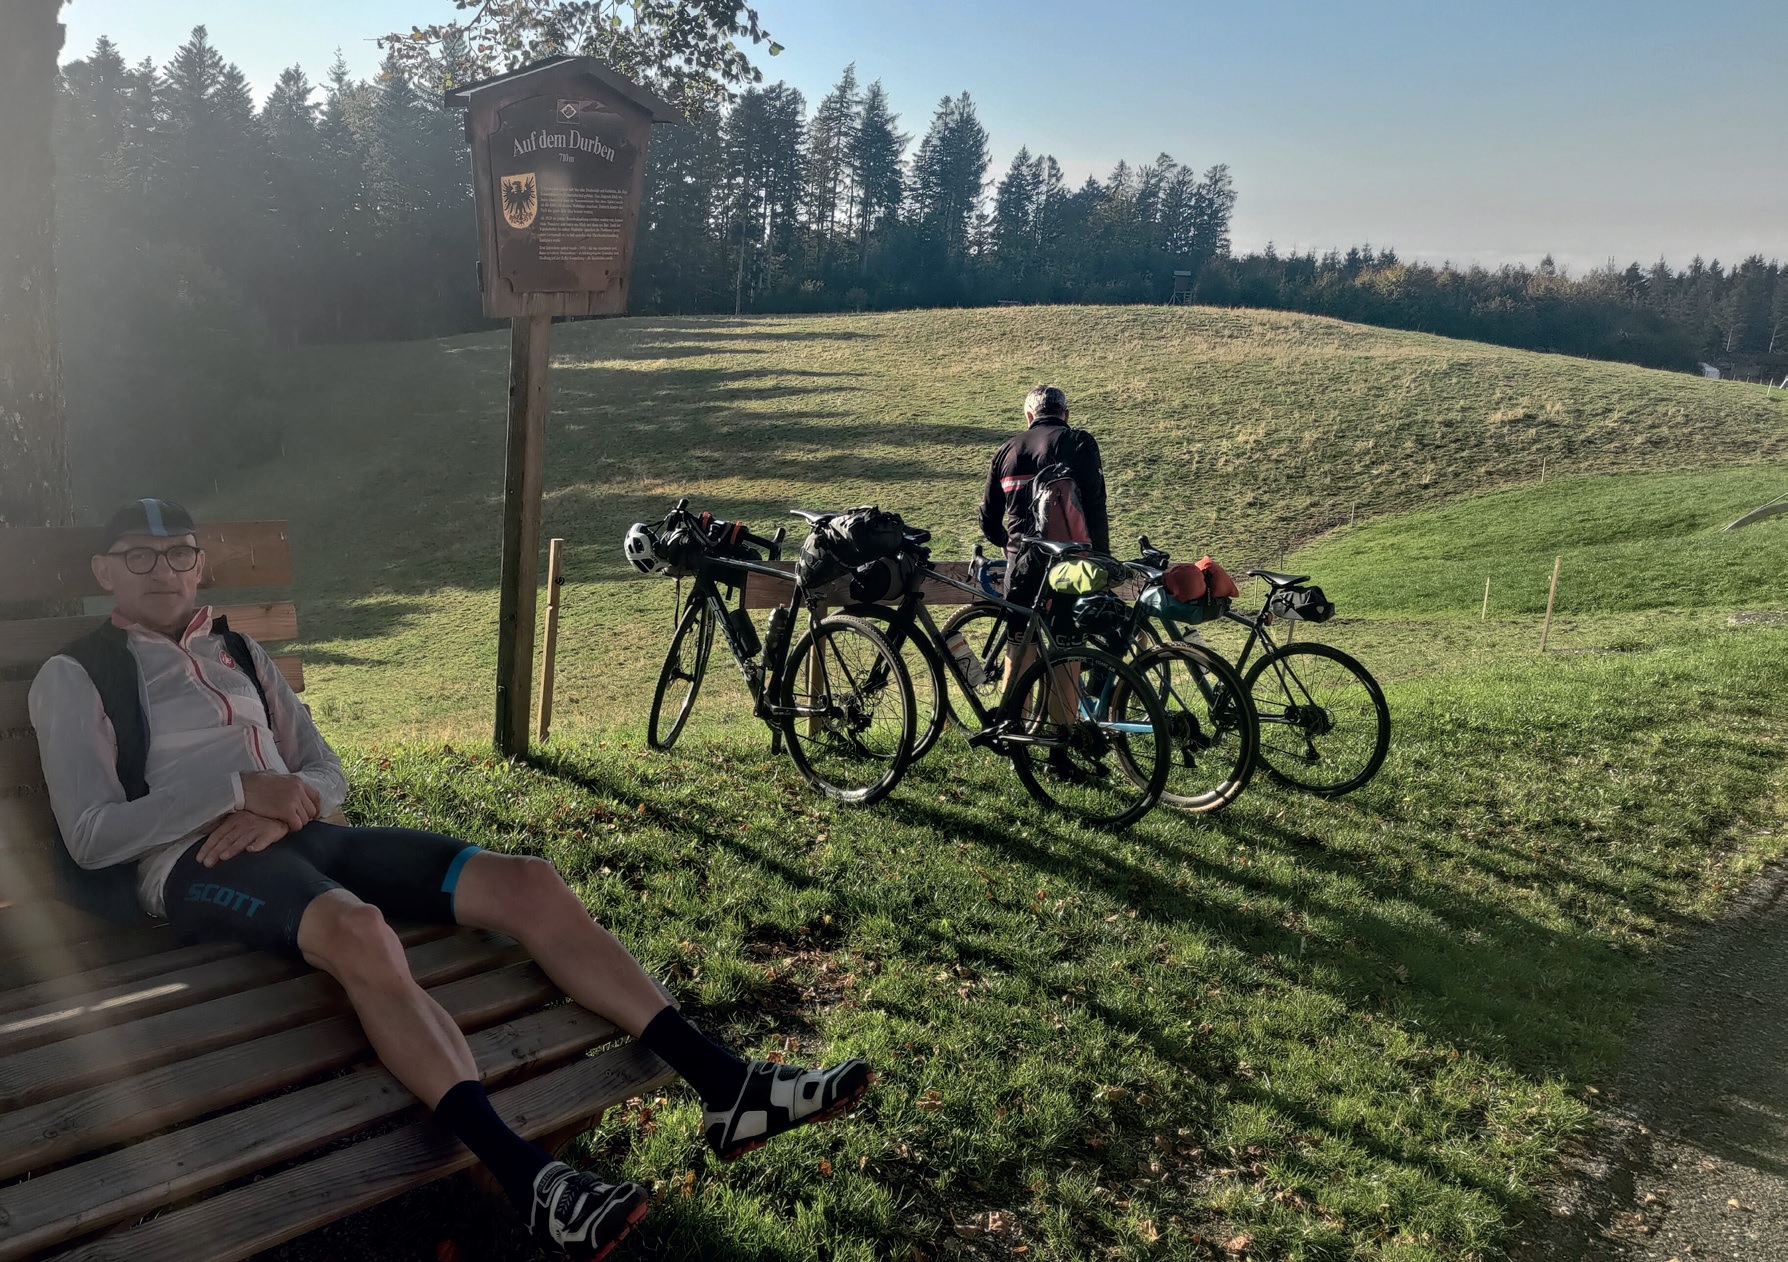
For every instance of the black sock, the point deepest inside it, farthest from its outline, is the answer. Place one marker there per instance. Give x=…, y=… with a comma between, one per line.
x=715, y=1073
x=513, y=1161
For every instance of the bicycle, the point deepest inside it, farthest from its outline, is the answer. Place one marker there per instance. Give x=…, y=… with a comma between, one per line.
x=838, y=697
x=1212, y=729
x=1057, y=717
x=1304, y=693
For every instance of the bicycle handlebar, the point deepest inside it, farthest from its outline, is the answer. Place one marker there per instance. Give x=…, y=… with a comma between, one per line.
x=771, y=545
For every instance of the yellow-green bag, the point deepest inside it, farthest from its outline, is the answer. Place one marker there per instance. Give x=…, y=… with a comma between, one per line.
x=1083, y=576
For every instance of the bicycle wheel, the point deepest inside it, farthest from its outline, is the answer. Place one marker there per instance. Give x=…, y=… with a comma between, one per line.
x=681, y=676
x=987, y=631
x=853, y=734
x=1087, y=737
x=1324, y=725
x=1211, y=725
x=931, y=700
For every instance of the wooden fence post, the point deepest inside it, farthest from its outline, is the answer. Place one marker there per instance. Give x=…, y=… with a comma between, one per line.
x=549, y=649
x=1484, y=613
x=1551, y=596
x=523, y=474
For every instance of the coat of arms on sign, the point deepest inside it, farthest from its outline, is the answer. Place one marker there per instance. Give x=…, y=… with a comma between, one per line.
x=520, y=200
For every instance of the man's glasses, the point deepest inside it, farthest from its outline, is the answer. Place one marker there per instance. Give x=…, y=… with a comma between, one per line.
x=180, y=558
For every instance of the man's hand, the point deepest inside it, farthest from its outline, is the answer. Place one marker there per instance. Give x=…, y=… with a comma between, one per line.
x=239, y=831
x=276, y=796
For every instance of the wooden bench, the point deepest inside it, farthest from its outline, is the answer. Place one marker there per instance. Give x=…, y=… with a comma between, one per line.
x=161, y=1101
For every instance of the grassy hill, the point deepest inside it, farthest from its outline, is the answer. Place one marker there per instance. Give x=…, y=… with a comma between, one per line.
x=1239, y=433
x=1302, y=1030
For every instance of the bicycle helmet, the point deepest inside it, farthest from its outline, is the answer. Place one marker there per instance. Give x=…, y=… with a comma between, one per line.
x=641, y=548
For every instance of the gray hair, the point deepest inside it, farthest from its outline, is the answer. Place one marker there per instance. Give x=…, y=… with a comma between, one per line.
x=1046, y=401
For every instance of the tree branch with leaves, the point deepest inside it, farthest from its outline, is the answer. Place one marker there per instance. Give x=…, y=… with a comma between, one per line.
x=692, y=52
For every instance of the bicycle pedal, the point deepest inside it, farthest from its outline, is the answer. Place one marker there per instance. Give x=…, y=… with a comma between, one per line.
x=987, y=736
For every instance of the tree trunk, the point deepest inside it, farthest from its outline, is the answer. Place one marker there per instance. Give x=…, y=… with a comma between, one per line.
x=33, y=433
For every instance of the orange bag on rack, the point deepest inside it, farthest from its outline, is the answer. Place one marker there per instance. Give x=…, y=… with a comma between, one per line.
x=1217, y=581
x=1184, y=581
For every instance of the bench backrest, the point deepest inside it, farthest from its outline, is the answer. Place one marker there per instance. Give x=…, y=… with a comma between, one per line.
x=51, y=564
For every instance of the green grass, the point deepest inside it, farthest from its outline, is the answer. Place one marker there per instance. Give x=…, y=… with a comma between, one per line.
x=1629, y=544
x=1348, y=1029
x=1340, y=1029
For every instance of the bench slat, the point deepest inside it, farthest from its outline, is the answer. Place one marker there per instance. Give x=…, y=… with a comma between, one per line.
x=269, y=1212
x=29, y=643
x=292, y=667
x=41, y=1135
x=76, y=987
x=41, y=966
x=20, y=767
x=36, y=1214
x=15, y=709
x=52, y=562
x=225, y=971
x=65, y=1018
x=58, y=1068
x=52, y=935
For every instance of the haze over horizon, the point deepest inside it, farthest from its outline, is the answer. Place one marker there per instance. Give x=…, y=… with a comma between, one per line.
x=1485, y=133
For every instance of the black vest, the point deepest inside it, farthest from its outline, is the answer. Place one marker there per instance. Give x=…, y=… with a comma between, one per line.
x=104, y=653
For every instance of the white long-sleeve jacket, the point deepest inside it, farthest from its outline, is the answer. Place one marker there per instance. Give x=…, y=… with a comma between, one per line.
x=206, y=728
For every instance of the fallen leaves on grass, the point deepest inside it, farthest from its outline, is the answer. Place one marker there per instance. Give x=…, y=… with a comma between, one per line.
x=994, y=1222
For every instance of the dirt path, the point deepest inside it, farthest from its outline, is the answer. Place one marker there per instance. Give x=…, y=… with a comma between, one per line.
x=1691, y=1159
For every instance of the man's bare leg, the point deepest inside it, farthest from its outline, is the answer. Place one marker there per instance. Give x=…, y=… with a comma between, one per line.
x=422, y=1047
x=413, y=1035
x=528, y=900
x=745, y=1103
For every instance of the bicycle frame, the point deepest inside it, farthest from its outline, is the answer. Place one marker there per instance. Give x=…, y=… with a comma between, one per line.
x=913, y=609
x=760, y=678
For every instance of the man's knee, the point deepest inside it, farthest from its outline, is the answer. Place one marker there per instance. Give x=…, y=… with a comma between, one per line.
x=518, y=890
x=529, y=883
x=347, y=937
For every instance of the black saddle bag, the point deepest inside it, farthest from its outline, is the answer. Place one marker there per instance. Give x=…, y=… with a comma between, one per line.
x=1301, y=604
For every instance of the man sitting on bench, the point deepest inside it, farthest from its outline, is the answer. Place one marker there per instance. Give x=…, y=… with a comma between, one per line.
x=165, y=750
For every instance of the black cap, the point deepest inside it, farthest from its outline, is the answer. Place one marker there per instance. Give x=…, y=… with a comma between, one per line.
x=163, y=519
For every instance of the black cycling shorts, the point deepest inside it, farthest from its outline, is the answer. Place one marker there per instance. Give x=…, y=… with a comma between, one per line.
x=258, y=899
x=1025, y=570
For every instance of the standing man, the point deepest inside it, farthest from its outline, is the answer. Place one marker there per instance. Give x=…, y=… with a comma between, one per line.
x=1006, y=504
x=176, y=753
x=1006, y=515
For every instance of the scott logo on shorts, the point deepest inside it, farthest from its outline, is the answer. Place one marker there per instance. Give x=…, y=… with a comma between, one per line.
x=223, y=896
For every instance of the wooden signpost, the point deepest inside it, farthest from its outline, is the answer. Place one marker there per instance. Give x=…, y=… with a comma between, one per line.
x=558, y=172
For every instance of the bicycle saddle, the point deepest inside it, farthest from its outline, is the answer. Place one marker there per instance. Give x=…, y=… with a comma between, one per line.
x=812, y=519
x=1276, y=581
x=916, y=537
x=1052, y=547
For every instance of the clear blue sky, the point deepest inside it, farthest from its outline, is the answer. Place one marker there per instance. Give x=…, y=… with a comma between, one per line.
x=1475, y=130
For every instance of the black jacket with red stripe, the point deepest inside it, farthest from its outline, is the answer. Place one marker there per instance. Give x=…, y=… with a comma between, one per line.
x=1006, y=504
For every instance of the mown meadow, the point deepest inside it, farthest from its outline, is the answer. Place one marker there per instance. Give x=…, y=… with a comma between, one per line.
x=1300, y=1029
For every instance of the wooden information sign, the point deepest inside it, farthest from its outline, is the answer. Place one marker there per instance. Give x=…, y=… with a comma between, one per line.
x=558, y=173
